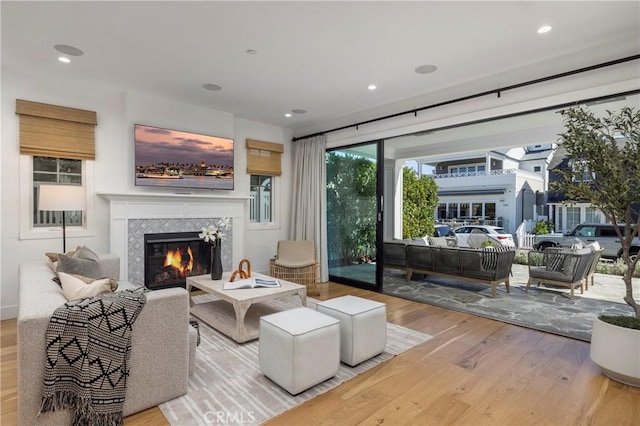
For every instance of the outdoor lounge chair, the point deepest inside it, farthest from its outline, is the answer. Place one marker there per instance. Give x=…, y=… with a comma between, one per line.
x=561, y=267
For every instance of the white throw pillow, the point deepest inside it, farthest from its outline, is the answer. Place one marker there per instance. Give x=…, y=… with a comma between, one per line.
x=75, y=288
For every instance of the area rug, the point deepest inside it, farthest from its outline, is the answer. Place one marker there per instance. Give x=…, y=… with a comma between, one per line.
x=228, y=388
x=545, y=308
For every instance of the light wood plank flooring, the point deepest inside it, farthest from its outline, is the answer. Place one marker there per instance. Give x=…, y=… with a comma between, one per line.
x=474, y=371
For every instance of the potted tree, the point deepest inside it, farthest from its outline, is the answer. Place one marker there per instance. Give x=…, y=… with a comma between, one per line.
x=603, y=155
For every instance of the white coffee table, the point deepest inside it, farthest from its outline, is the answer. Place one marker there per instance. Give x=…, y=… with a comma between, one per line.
x=231, y=315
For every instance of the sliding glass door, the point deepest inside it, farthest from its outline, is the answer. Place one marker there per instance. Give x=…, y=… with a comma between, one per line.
x=354, y=216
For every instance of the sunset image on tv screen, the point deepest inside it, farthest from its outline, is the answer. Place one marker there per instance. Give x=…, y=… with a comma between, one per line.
x=172, y=158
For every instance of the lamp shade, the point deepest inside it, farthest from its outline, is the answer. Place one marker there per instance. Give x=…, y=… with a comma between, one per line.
x=62, y=198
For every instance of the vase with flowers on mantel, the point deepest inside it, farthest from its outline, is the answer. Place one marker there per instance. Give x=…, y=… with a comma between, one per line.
x=213, y=235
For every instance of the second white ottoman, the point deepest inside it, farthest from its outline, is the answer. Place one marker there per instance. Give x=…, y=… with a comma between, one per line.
x=299, y=348
x=363, y=326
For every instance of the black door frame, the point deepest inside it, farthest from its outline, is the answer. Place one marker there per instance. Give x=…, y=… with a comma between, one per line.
x=378, y=286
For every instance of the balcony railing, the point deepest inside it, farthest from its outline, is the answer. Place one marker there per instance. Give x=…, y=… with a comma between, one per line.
x=472, y=174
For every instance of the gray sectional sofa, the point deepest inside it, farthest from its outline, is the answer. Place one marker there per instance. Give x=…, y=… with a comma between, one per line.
x=488, y=266
x=163, y=343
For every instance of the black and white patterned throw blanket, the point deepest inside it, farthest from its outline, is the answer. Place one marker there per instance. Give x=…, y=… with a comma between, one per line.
x=88, y=349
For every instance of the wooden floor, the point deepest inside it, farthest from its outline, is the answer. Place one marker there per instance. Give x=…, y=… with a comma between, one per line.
x=474, y=371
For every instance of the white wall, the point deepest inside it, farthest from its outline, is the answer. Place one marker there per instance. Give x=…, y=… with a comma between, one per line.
x=113, y=168
x=261, y=240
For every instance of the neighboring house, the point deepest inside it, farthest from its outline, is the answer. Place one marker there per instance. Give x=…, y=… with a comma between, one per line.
x=502, y=187
x=564, y=215
x=561, y=212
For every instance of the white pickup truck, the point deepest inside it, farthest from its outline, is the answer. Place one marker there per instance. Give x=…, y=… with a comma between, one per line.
x=587, y=233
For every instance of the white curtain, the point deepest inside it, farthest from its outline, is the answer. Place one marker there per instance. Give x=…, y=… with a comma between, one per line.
x=308, y=214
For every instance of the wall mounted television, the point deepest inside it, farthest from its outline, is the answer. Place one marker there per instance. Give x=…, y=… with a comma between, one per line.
x=175, y=159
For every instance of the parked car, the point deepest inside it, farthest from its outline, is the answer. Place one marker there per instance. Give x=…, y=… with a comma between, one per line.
x=493, y=232
x=443, y=231
x=587, y=233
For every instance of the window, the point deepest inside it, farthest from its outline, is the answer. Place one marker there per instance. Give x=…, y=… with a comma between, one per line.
x=453, y=211
x=573, y=217
x=464, y=210
x=537, y=168
x=467, y=170
x=442, y=211
x=490, y=211
x=609, y=231
x=592, y=215
x=580, y=171
x=586, y=231
x=47, y=170
x=476, y=209
x=261, y=200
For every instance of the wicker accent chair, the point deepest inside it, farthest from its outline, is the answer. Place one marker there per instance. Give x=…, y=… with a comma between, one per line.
x=561, y=267
x=296, y=262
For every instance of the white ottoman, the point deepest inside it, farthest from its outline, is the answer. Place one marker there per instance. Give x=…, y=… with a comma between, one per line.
x=363, y=326
x=299, y=348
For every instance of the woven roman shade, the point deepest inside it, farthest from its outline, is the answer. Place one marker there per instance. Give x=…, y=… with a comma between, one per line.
x=263, y=158
x=55, y=131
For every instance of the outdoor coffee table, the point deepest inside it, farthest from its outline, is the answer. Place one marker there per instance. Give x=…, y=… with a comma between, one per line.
x=231, y=315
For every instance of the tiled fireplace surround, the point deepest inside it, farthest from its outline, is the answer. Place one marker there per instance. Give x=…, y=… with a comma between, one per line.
x=134, y=214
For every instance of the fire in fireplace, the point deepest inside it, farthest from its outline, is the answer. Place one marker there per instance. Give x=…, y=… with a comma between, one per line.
x=169, y=258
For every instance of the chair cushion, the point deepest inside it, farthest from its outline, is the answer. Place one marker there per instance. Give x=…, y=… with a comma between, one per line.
x=438, y=241
x=296, y=254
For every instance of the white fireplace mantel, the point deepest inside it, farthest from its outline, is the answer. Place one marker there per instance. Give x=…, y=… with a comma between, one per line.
x=125, y=207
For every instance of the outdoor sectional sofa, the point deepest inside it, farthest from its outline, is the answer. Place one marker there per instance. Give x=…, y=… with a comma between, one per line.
x=489, y=265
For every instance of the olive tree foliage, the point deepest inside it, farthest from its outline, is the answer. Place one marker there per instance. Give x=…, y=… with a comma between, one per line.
x=604, y=170
x=351, y=201
x=419, y=202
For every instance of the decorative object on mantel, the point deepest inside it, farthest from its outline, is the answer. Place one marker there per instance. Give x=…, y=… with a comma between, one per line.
x=240, y=272
x=213, y=234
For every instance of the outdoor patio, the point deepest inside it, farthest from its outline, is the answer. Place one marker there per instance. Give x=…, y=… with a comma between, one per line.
x=545, y=308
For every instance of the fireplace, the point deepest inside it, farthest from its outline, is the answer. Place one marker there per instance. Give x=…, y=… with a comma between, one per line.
x=171, y=257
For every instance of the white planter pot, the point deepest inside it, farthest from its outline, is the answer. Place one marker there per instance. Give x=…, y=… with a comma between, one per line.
x=617, y=351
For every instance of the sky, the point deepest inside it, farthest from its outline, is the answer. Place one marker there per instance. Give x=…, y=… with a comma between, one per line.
x=153, y=145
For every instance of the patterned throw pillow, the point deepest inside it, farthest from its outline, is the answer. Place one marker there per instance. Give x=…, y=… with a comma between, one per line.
x=556, y=262
x=489, y=258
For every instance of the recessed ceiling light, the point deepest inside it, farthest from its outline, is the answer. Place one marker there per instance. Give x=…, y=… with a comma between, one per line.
x=544, y=29
x=425, y=69
x=372, y=87
x=64, y=59
x=288, y=115
x=299, y=111
x=68, y=50
x=252, y=52
x=213, y=87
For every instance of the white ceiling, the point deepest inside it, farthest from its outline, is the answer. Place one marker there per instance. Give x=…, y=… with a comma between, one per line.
x=524, y=130
x=317, y=56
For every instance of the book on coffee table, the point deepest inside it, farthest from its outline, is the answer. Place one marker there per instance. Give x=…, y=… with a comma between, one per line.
x=251, y=283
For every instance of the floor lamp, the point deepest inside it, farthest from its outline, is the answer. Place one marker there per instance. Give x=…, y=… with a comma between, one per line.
x=62, y=198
